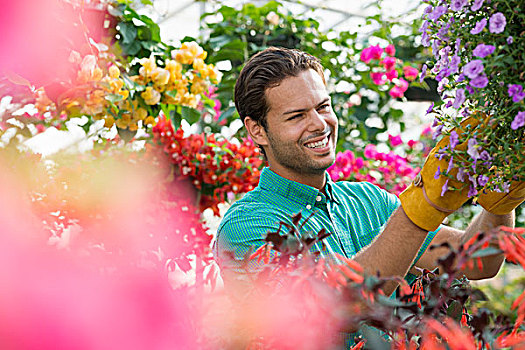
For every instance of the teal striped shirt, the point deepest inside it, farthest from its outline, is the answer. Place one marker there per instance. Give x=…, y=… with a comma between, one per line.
x=353, y=212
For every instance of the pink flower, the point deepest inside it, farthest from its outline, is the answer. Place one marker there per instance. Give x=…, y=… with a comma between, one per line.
x=410, y=72
x=378, y=78
x=411, y=143
x=376, y=52
x=359, y=163
x=392, y=75
x=389, y=63
x=403, y=84
x=395, y=140
x=390, y=50
x=396, y=92
x=370, y=151
x=372, y=52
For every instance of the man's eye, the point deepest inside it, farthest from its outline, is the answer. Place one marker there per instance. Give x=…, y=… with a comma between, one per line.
x=294, y=116
x=324, y=108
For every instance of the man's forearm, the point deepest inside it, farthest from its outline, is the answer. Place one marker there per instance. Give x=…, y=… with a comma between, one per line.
x=394, y=250
x=483, y=222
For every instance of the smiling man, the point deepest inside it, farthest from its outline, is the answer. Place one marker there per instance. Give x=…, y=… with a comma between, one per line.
x=282, y=98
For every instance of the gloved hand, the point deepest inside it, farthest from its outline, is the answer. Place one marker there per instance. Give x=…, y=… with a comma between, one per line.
x=501, y=203
x=422, y=200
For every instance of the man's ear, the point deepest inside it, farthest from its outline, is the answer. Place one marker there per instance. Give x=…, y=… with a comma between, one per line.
x=256, y=131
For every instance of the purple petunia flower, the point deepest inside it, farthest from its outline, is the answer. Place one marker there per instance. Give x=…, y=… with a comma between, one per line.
x=472, y=150
x=510, y=40
x=461, y=175
x=476, y=5
x=460, y=98
x=469, y=89
x=454, y=139
x=514, y=88
x=457, y=5
x=437, y=132
x=480, y=25
x=444, y=188
x=472, y=191
x=473, y=68
x=497, y=23
x=460, y=78
x=449, y=104
x=430, y=108
x=450, y=164
x=484, y=155
x=518, y=121
x=423, y=73
x=438, y=173
x=438, y=12
x=480, y=81
x=428, y=9
x=516, y=92
x=482, y=180
x=483, y=50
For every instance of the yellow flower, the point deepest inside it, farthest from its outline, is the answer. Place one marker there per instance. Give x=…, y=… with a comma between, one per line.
x=151, y=96
x=140, y=114
x=133, y=127
x=160, y=76
x=199, y=65
x=175, y=69
x=114, y=72
x=188, y=52
x=149, y=121
x=148, y=65
x=198, y=86
x=121, y=124
x=109, y=121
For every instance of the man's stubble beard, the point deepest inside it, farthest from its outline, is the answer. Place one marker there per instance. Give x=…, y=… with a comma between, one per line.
x=290, y=155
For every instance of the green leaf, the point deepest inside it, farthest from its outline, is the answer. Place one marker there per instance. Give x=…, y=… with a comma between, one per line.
x=455, y=310
x=227, y=114
x=128, y=31
x=486, y=252
x=114, y=98
x=131, y=49
x=191, y=115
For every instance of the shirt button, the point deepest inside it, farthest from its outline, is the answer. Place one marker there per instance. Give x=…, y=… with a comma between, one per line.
x=308, y=206
x=318, y=198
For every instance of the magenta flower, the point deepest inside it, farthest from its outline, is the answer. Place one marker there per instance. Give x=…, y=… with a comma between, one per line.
x=497, y=23
x=395, y=140
x=476, y=5
x=480, y=81
x=518, y=121
x=389, y=63
x=479, y=26
x=396, y=92
x=392, y=75
x=390, y=50
x=457, y=5
x=376, y=52
x=473, y=68
x=460, y=99
x=378, y=78
x=410, y=72
x=370, y=151
x=483, y=50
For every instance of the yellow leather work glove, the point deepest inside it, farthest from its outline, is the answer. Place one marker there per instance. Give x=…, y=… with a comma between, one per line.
x=426, y=201
x=501, y=203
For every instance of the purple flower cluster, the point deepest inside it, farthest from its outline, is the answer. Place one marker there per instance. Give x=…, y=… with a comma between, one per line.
x=516, y=92
x=519, y=121
x=483, y=50
x=497, y=23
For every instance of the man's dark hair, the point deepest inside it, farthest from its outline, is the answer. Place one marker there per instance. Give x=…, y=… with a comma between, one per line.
x=265, y=70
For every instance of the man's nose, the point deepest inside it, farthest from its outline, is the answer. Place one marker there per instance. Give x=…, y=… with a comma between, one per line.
x=317, y=121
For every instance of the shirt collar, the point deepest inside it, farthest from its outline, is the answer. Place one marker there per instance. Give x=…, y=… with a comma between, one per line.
x=295, y=191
